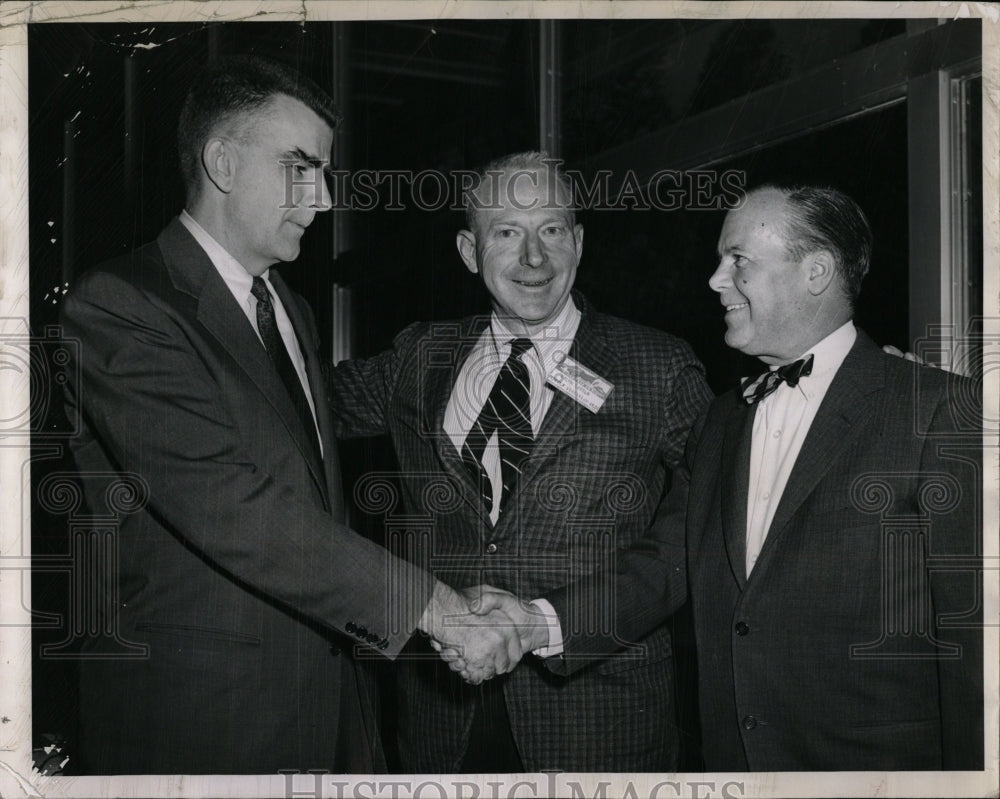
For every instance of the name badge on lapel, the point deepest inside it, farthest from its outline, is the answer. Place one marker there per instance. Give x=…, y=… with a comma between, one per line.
x=579, y=383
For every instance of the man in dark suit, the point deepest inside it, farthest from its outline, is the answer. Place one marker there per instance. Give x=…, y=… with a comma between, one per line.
x=535, y=445
x=236, y=578
x=834, y=519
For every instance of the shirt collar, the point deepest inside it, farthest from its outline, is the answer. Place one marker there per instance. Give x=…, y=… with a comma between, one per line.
x=551, y=341
x=229, y=269
x=830, y=353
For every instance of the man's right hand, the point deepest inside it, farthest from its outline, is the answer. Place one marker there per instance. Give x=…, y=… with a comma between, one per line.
x=529, y=622
x=477, y=646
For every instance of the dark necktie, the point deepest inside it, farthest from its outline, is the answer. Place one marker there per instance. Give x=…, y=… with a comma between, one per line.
x=755, y=389
x=267, y=326
x=506, y=411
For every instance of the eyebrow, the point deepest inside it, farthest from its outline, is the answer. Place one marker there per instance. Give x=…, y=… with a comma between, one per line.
x=550, y=220
x=298, y=154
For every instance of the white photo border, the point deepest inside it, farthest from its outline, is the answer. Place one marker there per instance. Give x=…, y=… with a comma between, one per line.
x=17, y=777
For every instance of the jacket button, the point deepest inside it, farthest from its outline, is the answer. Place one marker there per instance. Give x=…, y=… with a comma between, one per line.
x=749, y=722
x=350, y=627
x=742, y=628
x=491, y=548
x=362, y=632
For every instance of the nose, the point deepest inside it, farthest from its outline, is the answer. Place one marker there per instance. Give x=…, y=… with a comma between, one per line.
x=321, y=200
x=721, y=279
x=533, y=253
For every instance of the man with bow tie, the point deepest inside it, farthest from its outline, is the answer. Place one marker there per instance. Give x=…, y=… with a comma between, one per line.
x=535, y=445
x=834, y=519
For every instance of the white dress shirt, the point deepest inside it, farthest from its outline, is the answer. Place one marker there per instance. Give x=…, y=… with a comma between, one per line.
x=239, y=282
x=472, y=387
x=780, y=425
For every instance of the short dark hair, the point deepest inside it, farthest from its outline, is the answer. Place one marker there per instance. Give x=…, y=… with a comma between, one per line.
x=238, y=85
x=824, y=218
x=527, y=161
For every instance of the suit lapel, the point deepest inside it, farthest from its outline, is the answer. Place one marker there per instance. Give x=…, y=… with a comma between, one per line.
x=437, y=386
x=590, y=348
x=192, y=272
x=735, y=485
x=330, y=468
x=836, y=424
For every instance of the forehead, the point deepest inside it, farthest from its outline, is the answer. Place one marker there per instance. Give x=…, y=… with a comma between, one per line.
x=761, y=221
x=535, y=193
x=284, y=123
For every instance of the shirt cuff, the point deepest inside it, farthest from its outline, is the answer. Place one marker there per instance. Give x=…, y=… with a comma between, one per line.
x=555, y=645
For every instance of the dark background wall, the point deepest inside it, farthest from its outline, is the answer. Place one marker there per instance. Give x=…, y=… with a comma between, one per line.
x=104, y=101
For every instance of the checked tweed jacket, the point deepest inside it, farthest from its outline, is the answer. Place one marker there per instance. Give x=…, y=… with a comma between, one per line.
x=582, y=531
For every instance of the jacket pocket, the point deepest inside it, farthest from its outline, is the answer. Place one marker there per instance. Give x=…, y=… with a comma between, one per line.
x=626, y=661
x=199, y=633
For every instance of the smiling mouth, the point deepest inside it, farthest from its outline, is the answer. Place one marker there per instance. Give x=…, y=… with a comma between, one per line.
x=737, y=306
x=531, y=284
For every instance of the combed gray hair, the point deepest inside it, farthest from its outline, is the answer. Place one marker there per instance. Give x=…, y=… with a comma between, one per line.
x=529, y=161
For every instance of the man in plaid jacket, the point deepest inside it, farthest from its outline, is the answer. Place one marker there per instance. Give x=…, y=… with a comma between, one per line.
x=577, y=525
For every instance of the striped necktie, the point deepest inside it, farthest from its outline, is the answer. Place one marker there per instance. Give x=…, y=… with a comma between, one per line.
x=754, y=390
x=506, y=411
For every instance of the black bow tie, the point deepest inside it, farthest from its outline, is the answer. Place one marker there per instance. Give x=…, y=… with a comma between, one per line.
x=755, y=389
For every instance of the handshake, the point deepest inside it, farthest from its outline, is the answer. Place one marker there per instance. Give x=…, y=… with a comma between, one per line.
x=482, y=631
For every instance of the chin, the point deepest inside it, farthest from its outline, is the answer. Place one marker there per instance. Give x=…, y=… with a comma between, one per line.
x=737, y=338
x=540, y=318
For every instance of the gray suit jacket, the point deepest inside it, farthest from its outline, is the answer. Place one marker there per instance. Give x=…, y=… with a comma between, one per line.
x=232, y=566
x=582, y=530
x=856, y=641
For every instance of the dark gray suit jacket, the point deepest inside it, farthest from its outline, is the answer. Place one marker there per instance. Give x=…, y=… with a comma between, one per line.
x=856, y=641
x=235, y=570
x=587, y=502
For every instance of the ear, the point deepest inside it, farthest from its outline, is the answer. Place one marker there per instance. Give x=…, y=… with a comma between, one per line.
x=466, y=243
x=578, y=235
x=218, y=157
x=821, y=269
